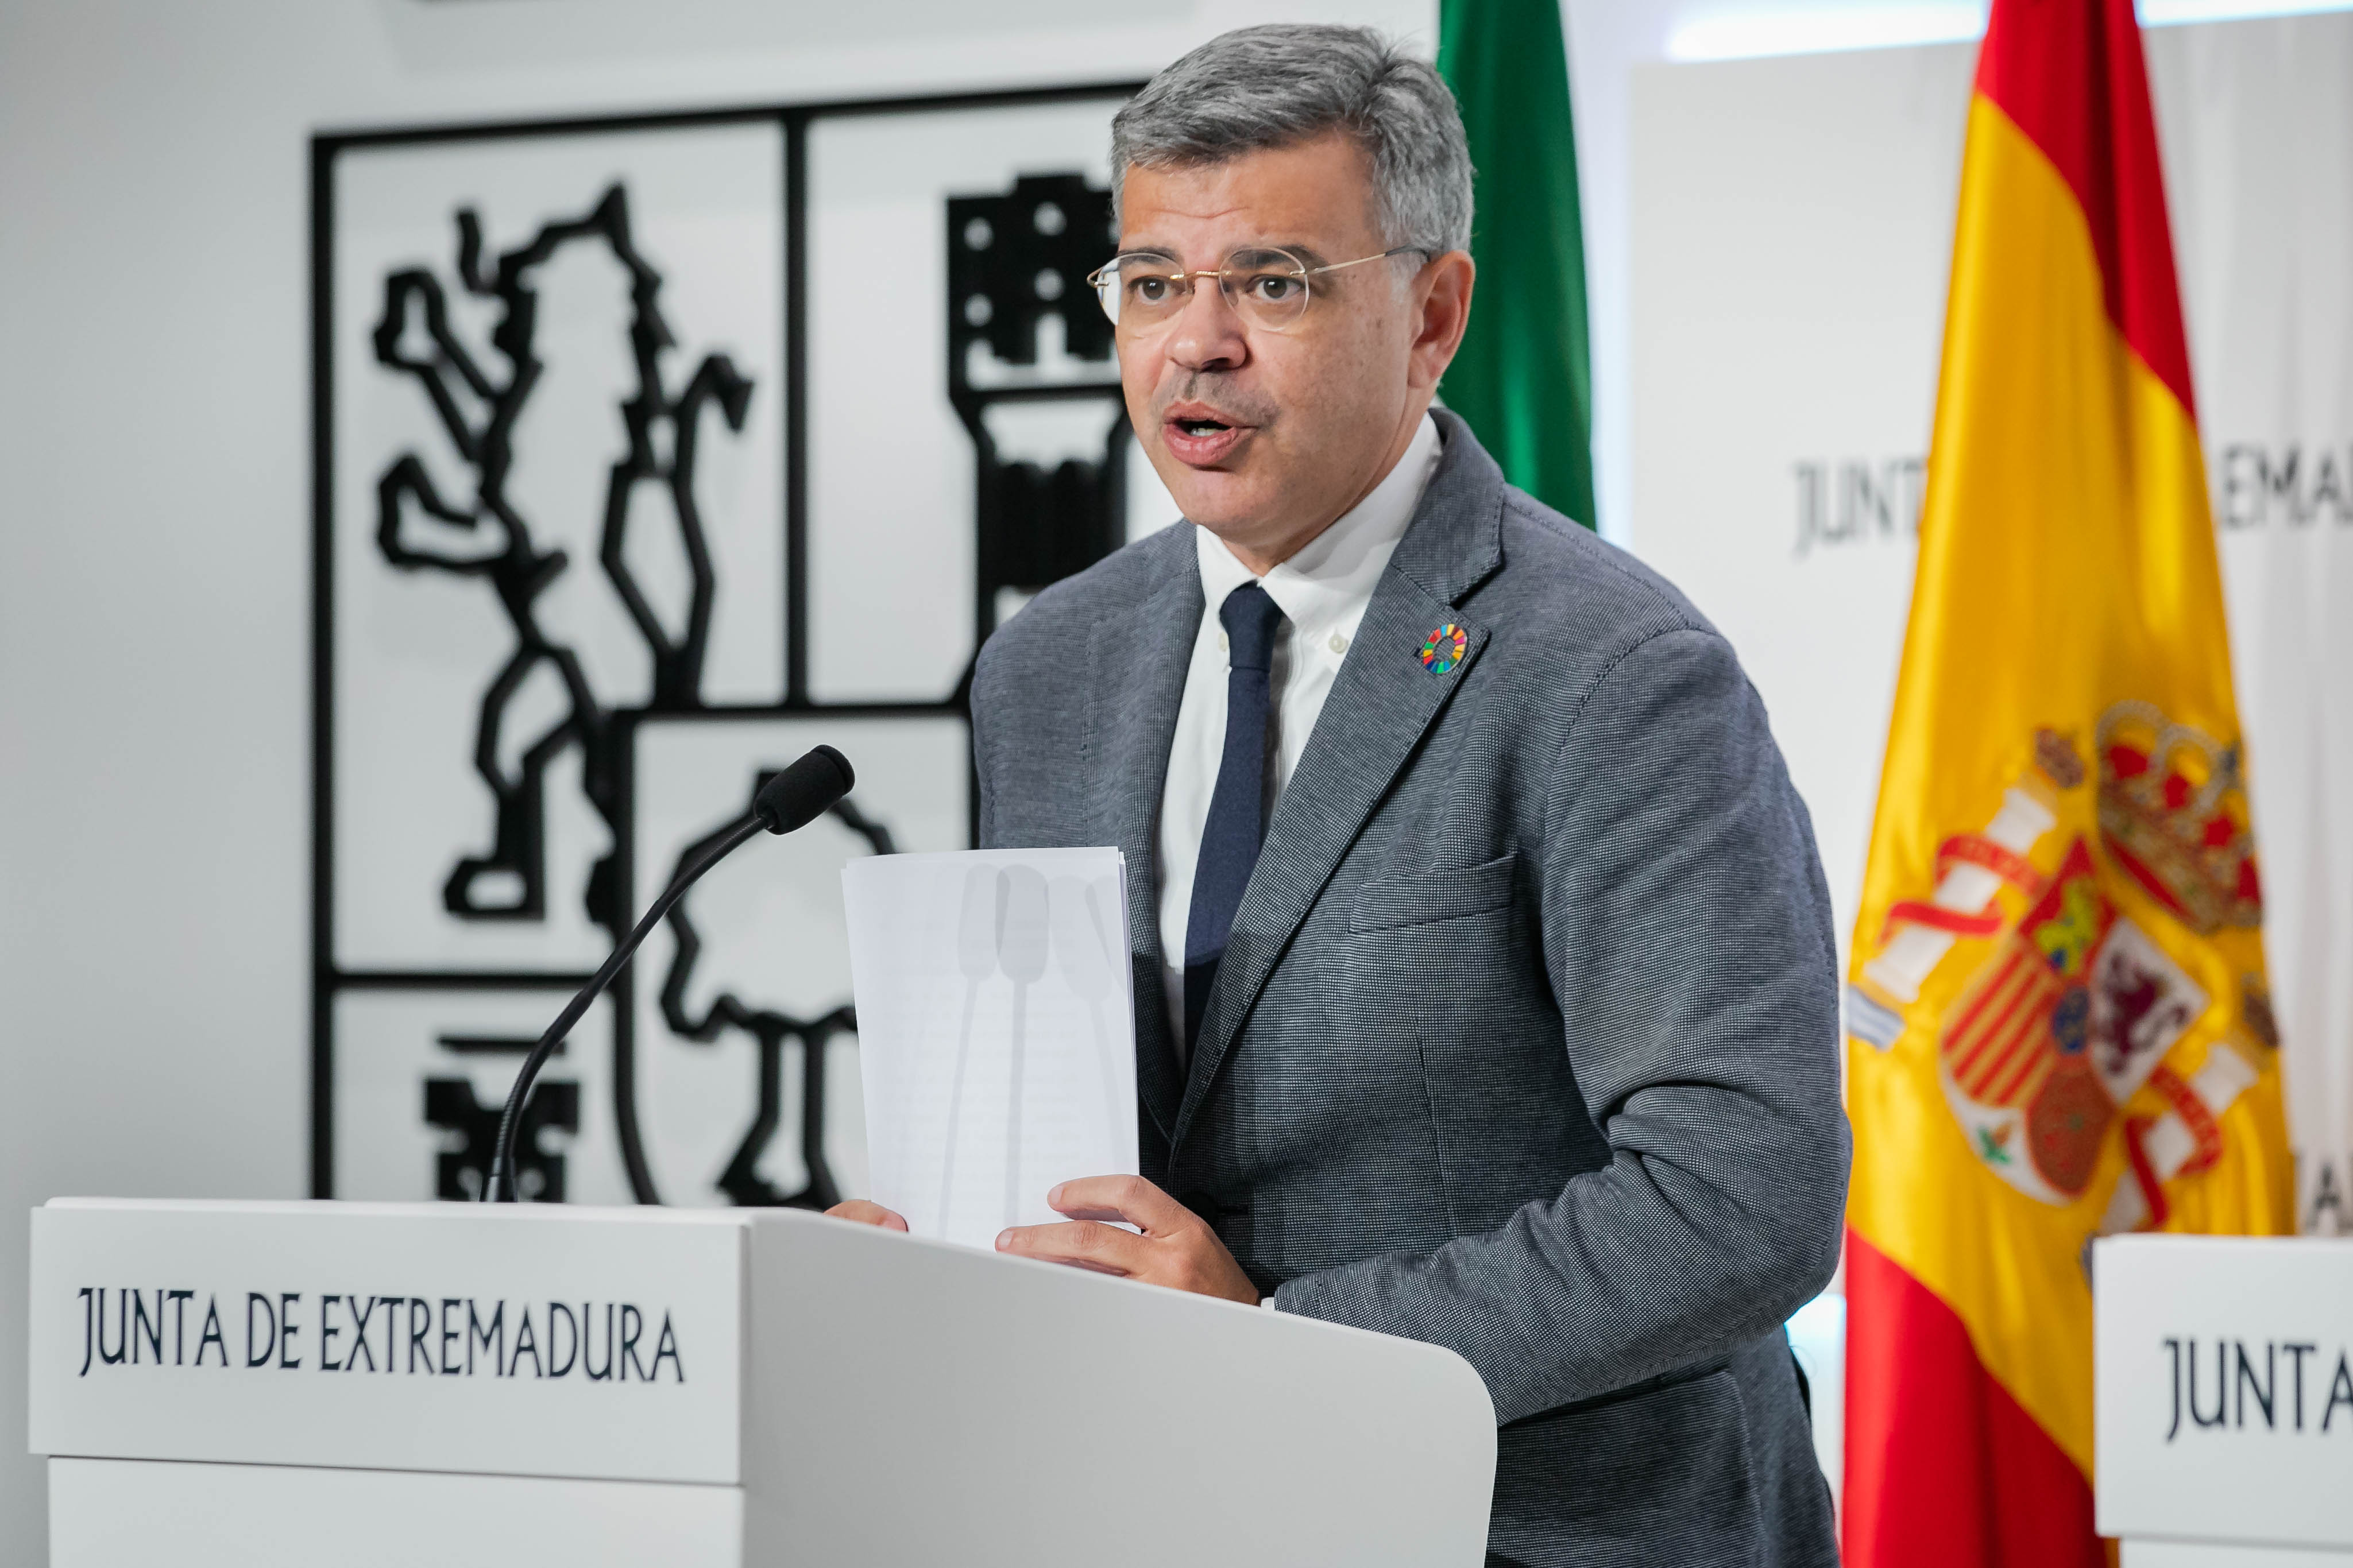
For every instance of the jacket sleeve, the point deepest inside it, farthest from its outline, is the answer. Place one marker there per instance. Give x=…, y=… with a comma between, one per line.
x=978, y=697
x=1687, y=934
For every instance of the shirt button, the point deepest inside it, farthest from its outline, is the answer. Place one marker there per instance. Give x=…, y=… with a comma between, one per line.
x=1224, y=643
x=1339, y=643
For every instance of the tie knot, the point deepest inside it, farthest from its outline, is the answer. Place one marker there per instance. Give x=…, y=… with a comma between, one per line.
x=1250, y=616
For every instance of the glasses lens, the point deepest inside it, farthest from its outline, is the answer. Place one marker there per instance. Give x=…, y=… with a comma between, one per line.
x=1139, y=290
x=1267, y=287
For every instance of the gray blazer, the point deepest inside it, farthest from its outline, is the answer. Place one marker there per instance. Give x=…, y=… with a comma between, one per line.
x=1524, y=1040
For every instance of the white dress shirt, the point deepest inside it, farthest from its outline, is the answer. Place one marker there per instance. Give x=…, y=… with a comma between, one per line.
x=1322, y=592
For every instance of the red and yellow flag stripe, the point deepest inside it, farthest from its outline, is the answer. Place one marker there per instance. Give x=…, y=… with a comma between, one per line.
x=2057, y=993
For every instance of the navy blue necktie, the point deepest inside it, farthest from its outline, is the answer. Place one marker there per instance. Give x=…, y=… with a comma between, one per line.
x=1236, y=824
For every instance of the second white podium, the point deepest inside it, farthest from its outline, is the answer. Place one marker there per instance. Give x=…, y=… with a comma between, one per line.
x=2224, y=1384
x=271, y=1384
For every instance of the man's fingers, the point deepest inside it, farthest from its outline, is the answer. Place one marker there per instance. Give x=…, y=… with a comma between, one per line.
x=1178, y=1248
x=1084, y=1242
x=1129, y=1198
x=863, y=1213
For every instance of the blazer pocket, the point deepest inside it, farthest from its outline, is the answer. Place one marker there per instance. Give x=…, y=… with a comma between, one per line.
x=1387, y=903
x=1666, y=1476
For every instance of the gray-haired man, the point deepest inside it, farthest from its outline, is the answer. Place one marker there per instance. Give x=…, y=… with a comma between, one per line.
x=1484, y=980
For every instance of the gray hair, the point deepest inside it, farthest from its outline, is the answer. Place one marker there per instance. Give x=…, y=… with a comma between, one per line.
x=1272, y=86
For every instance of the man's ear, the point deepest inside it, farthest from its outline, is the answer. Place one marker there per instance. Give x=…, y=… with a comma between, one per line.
x=1443, y=309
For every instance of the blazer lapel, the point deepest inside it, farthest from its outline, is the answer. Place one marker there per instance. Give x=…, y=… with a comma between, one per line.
x=1382, y=703
x=1138, y=660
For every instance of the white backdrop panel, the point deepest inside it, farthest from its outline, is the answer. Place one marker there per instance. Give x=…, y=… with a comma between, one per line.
x=2258, y=126
x=1791, y=220
x=1792, y=226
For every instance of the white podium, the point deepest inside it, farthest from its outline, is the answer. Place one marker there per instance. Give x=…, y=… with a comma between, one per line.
x=366, y=1385
x=2223, y=1410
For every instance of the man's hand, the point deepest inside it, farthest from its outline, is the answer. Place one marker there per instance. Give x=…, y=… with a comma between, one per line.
x=1178, y=1248
x=864, y=1213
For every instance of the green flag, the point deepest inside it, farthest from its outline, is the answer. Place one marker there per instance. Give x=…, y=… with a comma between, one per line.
x=1524, y=379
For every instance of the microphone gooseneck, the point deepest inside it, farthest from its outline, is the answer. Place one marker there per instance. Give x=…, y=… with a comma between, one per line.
x=792, y=799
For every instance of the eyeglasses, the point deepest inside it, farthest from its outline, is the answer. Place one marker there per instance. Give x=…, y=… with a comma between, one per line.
x=1267, y=287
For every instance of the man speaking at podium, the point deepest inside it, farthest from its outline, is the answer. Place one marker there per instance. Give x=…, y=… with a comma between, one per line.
x=1484, y=977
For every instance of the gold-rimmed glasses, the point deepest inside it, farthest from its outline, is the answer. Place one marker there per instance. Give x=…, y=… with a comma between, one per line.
x=1267, y=287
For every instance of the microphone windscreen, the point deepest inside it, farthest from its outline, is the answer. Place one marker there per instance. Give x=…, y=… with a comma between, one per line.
x=794, y=797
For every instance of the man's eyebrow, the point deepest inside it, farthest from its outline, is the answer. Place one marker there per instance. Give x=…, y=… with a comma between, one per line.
x=1307, y=253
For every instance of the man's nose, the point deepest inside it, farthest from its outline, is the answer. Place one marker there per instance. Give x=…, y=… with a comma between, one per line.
x=1207, y=334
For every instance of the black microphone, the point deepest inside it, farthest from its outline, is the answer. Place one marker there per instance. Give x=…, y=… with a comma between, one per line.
x=792, y=799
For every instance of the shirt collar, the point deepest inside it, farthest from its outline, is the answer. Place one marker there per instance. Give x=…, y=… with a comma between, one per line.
x=1326, y=585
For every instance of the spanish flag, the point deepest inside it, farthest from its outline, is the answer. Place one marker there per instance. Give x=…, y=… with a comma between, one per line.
x=2057, y=1014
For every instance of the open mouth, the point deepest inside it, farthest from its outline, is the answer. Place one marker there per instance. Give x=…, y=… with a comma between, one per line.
x=1199, y=438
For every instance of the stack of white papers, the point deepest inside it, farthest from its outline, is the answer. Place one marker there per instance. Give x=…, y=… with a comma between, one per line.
x=995, y=1031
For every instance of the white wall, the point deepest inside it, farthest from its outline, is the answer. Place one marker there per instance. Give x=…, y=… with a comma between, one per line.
x=154, y=511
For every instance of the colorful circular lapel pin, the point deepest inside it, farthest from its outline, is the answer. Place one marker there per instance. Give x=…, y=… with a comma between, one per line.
x=1443, y=649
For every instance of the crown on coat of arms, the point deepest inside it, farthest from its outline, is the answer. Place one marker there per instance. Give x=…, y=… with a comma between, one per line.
x=2173, y=815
